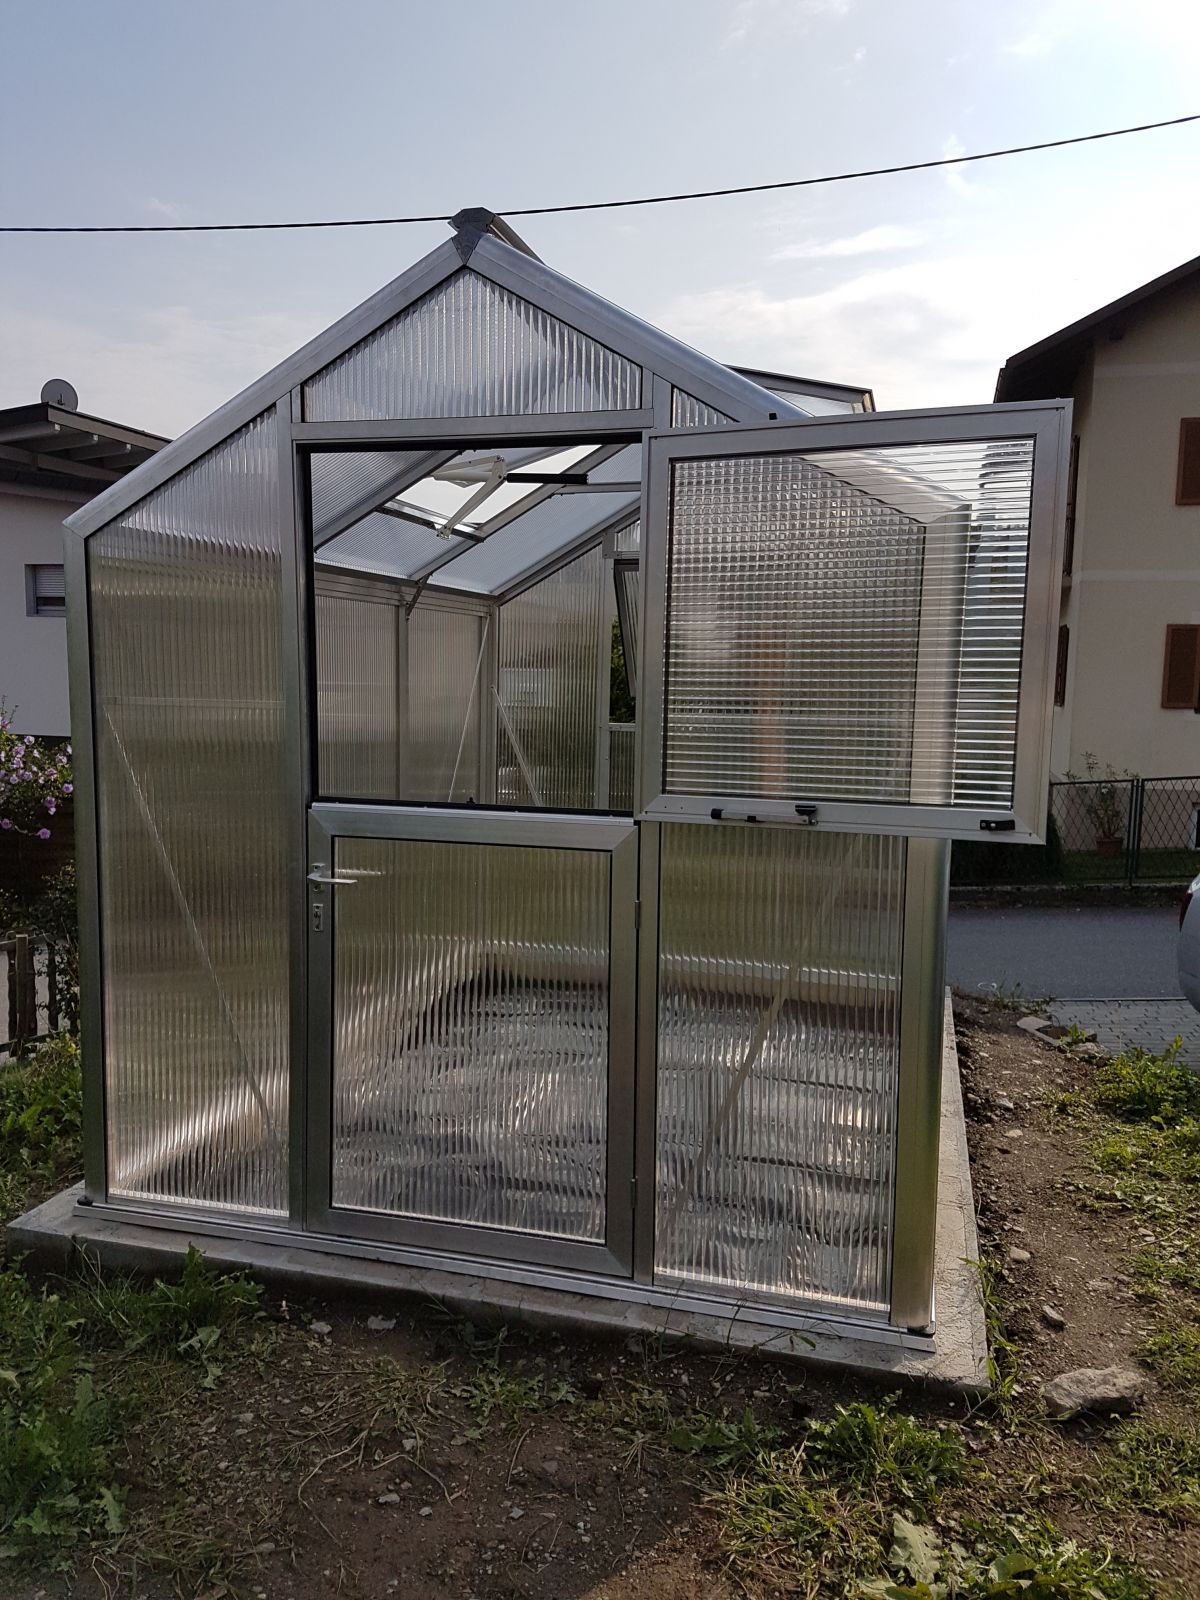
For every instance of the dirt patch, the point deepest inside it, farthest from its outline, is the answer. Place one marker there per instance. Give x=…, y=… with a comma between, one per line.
x=348, y=1450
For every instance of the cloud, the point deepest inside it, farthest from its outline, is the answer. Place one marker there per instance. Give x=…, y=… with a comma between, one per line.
x=161, y=370
x=869, y=242
x=749, y=16
x=170, y=209
x=955, y=176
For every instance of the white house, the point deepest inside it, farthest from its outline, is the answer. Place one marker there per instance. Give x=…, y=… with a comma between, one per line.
x=53, y=459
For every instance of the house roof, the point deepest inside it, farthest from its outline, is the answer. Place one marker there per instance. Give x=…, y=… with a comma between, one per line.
x=45, y=446
x=1047, y=370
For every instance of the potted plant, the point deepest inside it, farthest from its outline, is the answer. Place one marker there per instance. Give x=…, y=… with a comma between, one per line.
x=1104, y=802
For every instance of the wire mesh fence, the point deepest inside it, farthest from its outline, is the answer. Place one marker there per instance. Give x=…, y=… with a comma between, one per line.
x=1119, y=829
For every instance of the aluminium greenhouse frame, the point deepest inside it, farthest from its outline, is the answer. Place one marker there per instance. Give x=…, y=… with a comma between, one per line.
x=677, y=386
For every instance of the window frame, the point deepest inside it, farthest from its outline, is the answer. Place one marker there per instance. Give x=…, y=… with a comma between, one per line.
x=1193, y=704
x=1182, y=499
x=1048, y=424
x=34, y=604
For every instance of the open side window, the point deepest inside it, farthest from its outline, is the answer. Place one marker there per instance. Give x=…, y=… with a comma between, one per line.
x=852, y=623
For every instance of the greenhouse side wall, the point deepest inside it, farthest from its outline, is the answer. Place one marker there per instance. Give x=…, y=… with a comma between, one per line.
x=185, y=596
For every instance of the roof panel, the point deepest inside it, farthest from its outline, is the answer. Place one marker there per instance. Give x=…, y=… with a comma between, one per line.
x=389, y=546
x=552, y=526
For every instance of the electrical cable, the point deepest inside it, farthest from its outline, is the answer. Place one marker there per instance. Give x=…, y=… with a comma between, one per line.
x=602, y=205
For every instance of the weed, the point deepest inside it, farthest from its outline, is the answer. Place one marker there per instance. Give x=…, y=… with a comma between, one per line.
x=187, y=1317
x=1005, y=1388
x=40, y=1111
x=1138, y=1086
x=1021, y=1560
x=725, y=1441
x=1154, y=1468
x=780, y=1527
x=1074, y=1035
x=1153, y=1273
x=1173, y=1355
x=867, y=1446
x=56, y=1435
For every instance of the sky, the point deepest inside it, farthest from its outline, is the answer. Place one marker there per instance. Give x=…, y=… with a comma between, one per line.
x=917, y=285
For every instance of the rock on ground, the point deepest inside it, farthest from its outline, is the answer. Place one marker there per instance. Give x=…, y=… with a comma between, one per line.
x=1102, y=1389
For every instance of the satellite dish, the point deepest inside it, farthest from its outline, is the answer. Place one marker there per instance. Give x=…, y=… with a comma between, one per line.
x=58, y=392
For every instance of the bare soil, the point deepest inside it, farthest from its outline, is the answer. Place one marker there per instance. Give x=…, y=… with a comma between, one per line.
x=313, y=1469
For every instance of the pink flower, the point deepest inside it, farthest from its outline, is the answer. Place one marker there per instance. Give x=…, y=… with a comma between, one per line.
x=28, y=738
x=51, y=807
x=5, y=822
x=68, y=788
x=43, y=833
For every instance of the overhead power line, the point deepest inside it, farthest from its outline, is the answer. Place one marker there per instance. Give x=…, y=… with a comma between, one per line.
x=601, y=205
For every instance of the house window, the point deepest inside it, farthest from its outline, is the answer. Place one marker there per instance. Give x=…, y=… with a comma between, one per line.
x=1181, y=667
x=1060, y=665
x=1187, y=483
x=45, y=591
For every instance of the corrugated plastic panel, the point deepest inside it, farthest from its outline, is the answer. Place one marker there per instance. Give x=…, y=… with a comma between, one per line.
x=848, y=625
x=348, y=482
x=391, y=547
x=622, y=751
x=472, y=349
x=537, y=536
x=688, y=412
x=778, y=1039
x=359, y=691
x=186, y=594
x=471, y=1035
x=445, y=685
x=550, y=640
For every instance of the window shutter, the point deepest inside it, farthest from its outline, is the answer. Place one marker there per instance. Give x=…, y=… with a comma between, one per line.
x=1060, y=665
x=1187, y=485
x=46, y=591
x=1181, y=667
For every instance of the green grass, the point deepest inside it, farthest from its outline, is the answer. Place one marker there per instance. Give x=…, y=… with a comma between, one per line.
x=1138, y=1086
x=1173, y=1355
x=871, y=1446
x=1153, y=1468
x=1021, y=1559
x=40, y=1115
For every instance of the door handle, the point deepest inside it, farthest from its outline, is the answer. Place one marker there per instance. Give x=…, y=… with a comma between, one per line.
x=325, y=877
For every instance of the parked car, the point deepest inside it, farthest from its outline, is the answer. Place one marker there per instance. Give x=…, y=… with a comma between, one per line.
x=1189, y=943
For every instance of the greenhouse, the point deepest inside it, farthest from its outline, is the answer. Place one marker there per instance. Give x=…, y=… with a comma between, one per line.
x=517, y=762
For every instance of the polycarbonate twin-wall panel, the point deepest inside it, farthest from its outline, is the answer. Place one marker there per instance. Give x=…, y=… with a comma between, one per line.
x=359, y=696
x=622, y=751
x=550, y=642
x=471, y=1034
x=470, y=348
x=848, y=624
x=778, y=1044
x=688, y=412
x=446, y=682
x=190, y=770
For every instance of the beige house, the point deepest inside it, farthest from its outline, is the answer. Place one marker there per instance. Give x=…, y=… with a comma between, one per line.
x=1128, y=681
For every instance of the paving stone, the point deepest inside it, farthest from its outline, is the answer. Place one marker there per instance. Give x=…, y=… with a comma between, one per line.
x=1143, y=1024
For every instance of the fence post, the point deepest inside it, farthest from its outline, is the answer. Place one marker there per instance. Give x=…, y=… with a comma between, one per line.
x=25, y=993
x=1133, y=850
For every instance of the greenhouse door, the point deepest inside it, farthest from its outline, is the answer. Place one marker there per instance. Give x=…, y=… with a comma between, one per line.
x=472, y=1018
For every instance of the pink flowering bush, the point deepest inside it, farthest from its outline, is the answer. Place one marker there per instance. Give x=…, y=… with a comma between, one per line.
x=35, y=780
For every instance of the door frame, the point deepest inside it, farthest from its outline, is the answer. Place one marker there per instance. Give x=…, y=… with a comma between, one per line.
x=618, y=838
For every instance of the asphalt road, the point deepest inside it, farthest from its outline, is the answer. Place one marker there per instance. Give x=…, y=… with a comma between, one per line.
x=1108, y=952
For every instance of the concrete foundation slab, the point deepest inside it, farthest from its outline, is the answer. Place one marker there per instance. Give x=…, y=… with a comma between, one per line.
x=956, y=1357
